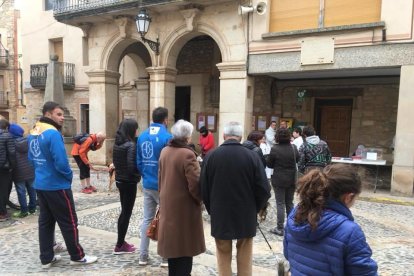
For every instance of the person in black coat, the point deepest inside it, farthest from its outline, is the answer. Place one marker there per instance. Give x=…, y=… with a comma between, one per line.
x=127, y=177
x=254, y=139
x=282, y=159
x=7, y=163
x=234, y=189
x=23, y=173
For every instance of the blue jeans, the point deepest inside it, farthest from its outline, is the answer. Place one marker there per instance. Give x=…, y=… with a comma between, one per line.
x=21, y=188
x=151, y=200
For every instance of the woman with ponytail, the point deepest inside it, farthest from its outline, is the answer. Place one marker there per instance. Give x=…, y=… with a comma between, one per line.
x=321, y=236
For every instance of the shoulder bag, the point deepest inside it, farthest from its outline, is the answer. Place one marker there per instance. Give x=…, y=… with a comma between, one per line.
x=152, y=230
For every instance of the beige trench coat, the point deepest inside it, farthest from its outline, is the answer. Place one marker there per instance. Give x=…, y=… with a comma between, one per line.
x=180, y=232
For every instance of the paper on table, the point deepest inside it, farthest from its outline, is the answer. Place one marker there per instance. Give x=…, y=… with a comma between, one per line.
x=371, y=156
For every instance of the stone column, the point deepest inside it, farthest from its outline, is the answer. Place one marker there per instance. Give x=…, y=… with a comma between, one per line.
x=236, y=96
x=162, y=90
x=403, y=168
x=103, y=110
x=143, y=114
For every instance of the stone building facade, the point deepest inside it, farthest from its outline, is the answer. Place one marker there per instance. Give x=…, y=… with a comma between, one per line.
x=10, y=89
x=310, y=62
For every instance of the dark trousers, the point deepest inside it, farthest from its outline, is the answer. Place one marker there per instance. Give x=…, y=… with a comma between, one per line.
x=84, y=170
x=284, y=199
x=127, y=195
x=5, y=180
x=180, y=266
x=58, y=206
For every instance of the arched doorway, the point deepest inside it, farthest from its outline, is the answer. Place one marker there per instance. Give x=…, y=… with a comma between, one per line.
x=197, y=92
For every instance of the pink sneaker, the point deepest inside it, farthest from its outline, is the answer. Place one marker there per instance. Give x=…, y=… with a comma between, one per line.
x=93, y=188
x=124, y=249
x=86, y=190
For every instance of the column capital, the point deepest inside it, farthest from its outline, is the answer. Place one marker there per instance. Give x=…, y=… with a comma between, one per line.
x=103, y=76
x=166, y=74
x=232, y=70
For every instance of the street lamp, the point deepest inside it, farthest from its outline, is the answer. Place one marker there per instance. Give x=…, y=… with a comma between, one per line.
x=143, y=21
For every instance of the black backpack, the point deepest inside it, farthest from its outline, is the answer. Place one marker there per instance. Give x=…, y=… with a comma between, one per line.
x=80, y=138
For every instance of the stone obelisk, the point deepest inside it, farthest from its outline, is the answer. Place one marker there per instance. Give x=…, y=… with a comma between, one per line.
x=54, y=92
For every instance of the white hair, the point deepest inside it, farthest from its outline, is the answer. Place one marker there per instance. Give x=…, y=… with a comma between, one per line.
x=233, y=129
x=182, y=129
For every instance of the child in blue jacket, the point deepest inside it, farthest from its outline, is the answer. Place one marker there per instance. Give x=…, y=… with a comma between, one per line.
x=321, y=235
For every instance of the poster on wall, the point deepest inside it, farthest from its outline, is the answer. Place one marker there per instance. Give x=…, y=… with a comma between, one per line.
x=274, y=118
x=209, y=120
x=289, y=122
x=201, y=121
x=261, y=123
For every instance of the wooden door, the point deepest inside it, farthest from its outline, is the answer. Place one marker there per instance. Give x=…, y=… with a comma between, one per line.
x=335, y=128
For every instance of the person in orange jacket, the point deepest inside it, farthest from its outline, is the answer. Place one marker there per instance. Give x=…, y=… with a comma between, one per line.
x=206, y=141
x=80, y=154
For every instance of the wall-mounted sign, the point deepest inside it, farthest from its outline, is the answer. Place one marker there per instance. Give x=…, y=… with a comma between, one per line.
x=317, y=50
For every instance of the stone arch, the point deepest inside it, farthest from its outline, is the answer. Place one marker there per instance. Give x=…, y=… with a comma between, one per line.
x=177, y=39
x=118, y=47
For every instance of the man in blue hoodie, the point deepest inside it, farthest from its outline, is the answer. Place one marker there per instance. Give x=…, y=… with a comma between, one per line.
x=149, y=146
x=53, y=180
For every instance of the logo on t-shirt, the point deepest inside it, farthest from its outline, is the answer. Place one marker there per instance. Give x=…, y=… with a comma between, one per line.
x=147, y=150
x=34, y=148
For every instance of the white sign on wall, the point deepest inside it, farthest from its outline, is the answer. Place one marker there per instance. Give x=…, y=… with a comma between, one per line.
x=317, y=50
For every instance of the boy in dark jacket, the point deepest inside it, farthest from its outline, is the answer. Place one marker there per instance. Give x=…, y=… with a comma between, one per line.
x=23, y=173
x=7, y=163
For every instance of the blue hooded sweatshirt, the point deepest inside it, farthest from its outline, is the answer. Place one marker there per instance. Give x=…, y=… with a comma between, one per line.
x=336, y=247
x=48, y=156
x=149, y=146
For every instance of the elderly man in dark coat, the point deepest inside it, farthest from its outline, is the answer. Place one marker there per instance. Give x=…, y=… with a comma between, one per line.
x=234, y=188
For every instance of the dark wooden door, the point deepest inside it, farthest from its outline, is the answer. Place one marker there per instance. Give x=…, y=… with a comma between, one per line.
x=182, y=103
x=335, y=128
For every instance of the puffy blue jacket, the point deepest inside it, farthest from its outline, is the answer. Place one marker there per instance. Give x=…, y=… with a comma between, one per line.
x=48, y=156
x=336, y=247
x=149, y=146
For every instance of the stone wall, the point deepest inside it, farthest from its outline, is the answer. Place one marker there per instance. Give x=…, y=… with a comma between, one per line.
x=374, y=113
x=10, y=73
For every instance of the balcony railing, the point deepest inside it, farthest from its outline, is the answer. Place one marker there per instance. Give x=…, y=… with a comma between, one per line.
x=4, y=101
x=67, y=9
x=4, y=56
x=38, y=75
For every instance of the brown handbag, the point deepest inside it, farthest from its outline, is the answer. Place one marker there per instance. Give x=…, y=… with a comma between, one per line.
x=152, y=230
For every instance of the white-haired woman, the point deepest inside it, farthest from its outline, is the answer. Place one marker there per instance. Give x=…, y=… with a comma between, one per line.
x=180, y=233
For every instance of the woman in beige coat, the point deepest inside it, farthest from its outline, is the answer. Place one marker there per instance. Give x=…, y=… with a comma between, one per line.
x=180, y=233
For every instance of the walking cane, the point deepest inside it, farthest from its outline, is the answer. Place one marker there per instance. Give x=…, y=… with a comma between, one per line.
x=280, y=263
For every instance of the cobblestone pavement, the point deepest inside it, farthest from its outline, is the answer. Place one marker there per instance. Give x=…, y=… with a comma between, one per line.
x=389, y=229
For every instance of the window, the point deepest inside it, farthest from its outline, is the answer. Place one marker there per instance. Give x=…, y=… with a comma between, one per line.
x=56, y=47
x=49, y=4
x=286, y=15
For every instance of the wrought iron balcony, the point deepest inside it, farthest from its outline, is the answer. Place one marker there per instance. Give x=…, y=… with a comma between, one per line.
x=4, y=101
x=4, y=56
x=38, y=75
x=68, y=9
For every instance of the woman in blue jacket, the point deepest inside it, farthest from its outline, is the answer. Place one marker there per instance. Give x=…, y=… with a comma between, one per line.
x=321, y=235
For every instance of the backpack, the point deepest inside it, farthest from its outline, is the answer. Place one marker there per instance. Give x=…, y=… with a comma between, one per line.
x=80, y=138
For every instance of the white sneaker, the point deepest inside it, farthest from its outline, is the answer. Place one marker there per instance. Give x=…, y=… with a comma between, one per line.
x=164, y=262
x=59, y=247
x=85, y=260
x=55, y=259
